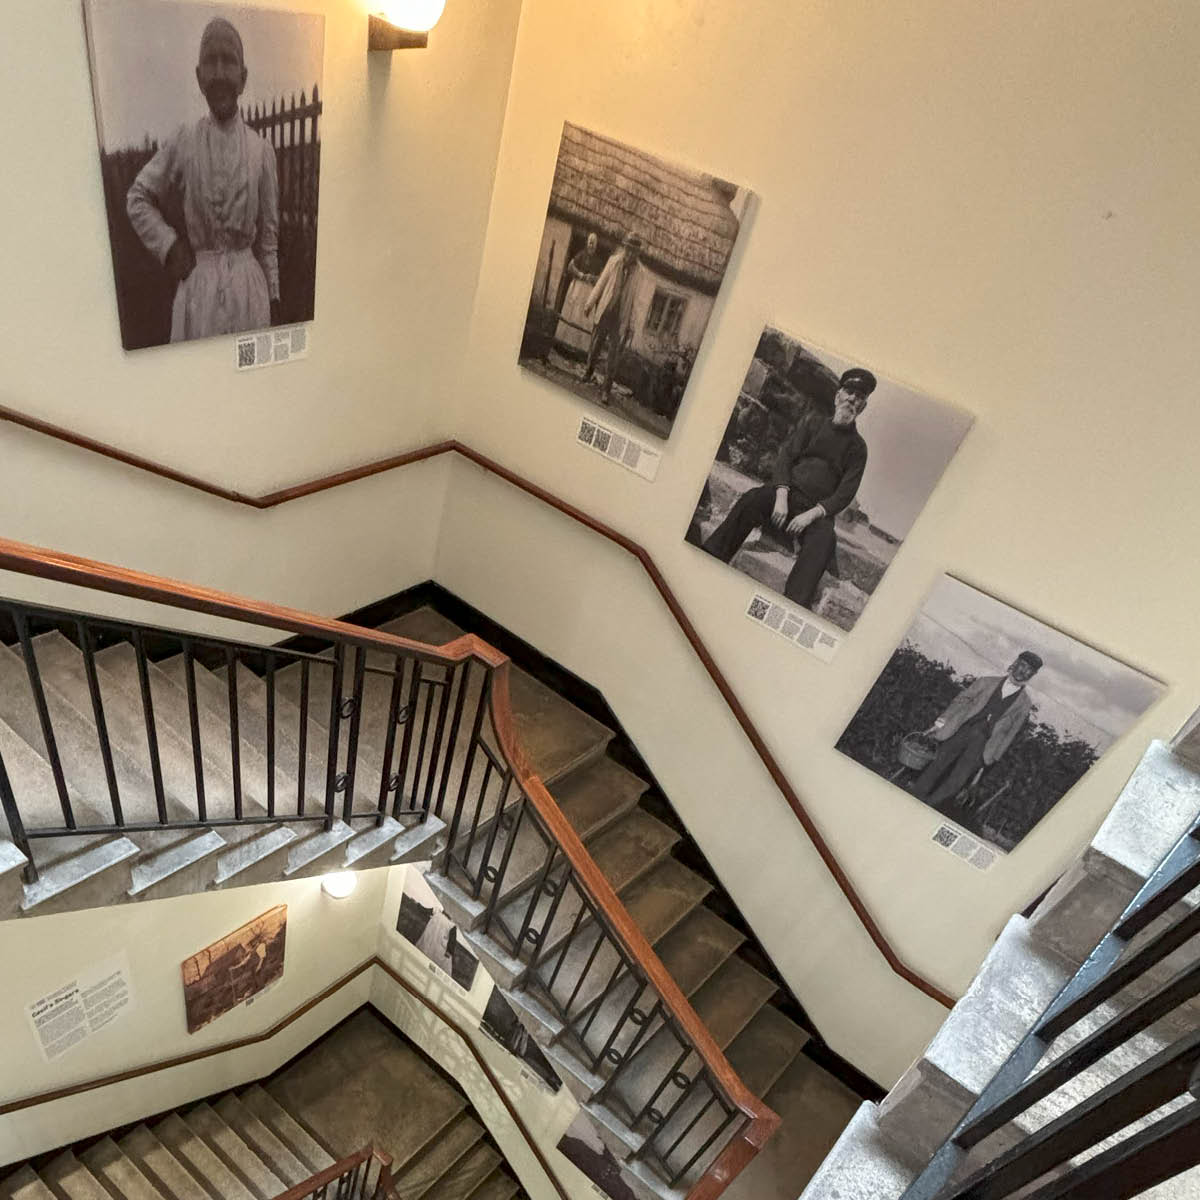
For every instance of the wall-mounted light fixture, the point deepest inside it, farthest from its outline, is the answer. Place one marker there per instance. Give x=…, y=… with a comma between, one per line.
x=340, y=884
x=403, y=24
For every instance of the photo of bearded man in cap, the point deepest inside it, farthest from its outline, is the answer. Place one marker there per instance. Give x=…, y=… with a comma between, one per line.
x=976, y=729
x=817, y=475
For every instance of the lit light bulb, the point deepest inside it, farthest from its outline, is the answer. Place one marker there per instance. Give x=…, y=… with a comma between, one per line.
x=415, y=16
x=340, y=884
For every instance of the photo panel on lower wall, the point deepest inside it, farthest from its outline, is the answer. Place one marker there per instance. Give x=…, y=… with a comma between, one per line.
x=989, y=716
x=583, y=1146
x=501, y=1023
x=423, y=922
x=823, y=470
x=633, y=253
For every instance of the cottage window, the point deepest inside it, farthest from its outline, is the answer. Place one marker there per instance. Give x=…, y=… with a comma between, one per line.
x=666, y=313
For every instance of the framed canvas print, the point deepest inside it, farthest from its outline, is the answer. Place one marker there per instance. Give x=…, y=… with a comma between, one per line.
x=209, y=123
x=632, y=256
x=989, y=716
x=823, y=469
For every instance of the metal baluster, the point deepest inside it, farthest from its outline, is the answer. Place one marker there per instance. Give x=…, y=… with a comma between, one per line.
x=712, y=1137
x=488, y=770
x=302, y=739
x=535, y=896
x=556, y=893
x=353, y=709
x=189, y=671
x=43, y=712
x=469, y=765
x=498, y=883
x=235, y=743
x=16, y=826
x=439, y=731
x=332, y=778
x=587, y=966
x=459, y=674
x=143, y=670
x=270, y=735
x=497, y=821
x=643, y=1021
x=389, y=746
x=620, y=971
x=110, y=773
x=406, y=717
x=676, y=1076
x=421, y=764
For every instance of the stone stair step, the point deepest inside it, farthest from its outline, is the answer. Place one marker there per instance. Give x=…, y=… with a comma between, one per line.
x=861, y=1166
x=118, y=1172
x=307, y=855
x=467, y=1173
x=189, y=866
x=12, y=886
x=421, y=842
x=83, y=881
x=160, y=1166
x=375, y=846
x=205, y=1165
x=235, y=1153
x=257, y=859
x=295, y=1136
x=500, y=1185
x=366, y=1059
x=78, y=747
x=69, y=1179
x=24, y=1184
x=262, y=1141
x=623, y=853
x=419, y=1176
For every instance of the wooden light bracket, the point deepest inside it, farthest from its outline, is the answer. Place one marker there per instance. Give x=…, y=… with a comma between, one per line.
x=383, y=35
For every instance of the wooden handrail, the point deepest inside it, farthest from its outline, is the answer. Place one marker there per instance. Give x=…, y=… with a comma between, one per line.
x=166, y=1064
x=302, y=1191
x=762, y=1121
x=324, y=483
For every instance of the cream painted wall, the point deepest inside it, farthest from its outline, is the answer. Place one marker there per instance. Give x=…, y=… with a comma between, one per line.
x=994, y=203
x=408, y=154
x=325, y=940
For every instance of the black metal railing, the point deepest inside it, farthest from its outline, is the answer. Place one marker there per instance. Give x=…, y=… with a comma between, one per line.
x=1125, y=1135
x=145, y=729
x=366, y=1175
x=326, y=755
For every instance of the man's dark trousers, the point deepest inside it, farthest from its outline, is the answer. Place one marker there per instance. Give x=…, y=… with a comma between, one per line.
x=958, y=758
x=607, y=331
x=753, y=510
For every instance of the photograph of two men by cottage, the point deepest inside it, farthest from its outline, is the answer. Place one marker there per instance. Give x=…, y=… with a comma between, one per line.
x=208, y=117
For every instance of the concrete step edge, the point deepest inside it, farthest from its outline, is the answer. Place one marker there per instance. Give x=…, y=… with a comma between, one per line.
x=150, y=872
x=57, y=880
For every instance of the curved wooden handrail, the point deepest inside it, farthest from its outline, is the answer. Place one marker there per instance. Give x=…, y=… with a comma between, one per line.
x=324, y=483
x=181, y=1060
x=310, y=1187
x=762, y=1121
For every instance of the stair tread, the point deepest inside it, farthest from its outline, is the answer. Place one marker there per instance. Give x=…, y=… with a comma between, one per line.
x=694, y=948
x=160, y=1166
x=467, y=1173
x=765, y=1048
x=500, y=1185
x=117, y=1171
x=417, y=1177
x=54, y=881
x=371, y=1064
x=623, y=853
x=262, y=1140
x=294, y=1135
x=308, y=850
x=190, y=1148
x=240, y=1158
x=150, y=872
x=730, y=997
x=245, y=856
x=25, y=1185
x=69, y=1179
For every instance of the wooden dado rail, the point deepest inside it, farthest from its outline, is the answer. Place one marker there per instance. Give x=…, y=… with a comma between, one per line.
x=284, y=495
x=182, y=1060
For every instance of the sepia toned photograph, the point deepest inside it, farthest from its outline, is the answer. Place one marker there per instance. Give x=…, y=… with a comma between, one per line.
x=583, y=1146
x=501, y=1024
x=209, y=123
x=229, y=972
x=991, y=717
x=423, y=922
x=824, y=467
x=633, y=254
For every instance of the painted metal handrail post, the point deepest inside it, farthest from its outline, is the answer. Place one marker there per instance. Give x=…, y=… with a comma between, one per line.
x=16, y=826
x=333, y=781
x=110, y=774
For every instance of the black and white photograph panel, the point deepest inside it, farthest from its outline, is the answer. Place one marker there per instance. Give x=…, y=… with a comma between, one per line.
x=423, y=922
x=209, y=123
x=501, y=1023
x=823, y=470
x=989, y=716
x=632, y=257
x=583, y=1146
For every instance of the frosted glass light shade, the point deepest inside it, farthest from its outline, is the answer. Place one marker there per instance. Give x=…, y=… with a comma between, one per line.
x=417, y=16
x=339, y=885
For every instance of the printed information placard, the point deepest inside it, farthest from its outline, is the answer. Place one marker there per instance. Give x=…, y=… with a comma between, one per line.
x=619, y=448
x=78, y=1010
x=789, y=624
x=271, y=347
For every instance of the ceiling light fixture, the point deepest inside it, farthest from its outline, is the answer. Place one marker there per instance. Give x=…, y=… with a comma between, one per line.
x=340, y=884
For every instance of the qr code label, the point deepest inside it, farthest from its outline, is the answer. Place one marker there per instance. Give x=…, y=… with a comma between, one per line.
x=245, y=354
x=603, y=438
x=945, y=836
x=271, y=347
x=587, y=433
x=759, y=608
